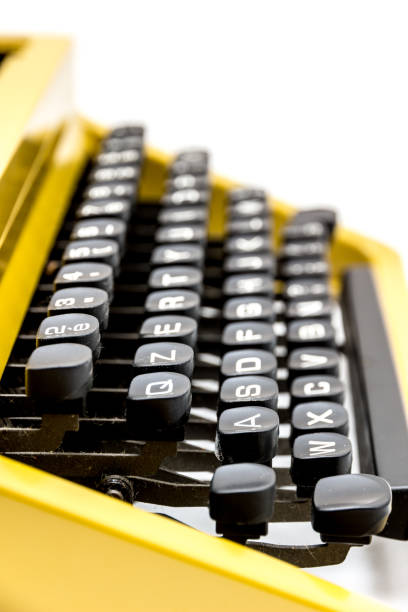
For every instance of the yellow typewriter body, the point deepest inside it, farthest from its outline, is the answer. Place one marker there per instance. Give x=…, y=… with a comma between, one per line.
x=117, y=557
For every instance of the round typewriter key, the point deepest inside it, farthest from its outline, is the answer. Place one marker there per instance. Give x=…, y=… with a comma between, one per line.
x=248, y=208
x=181, y=234
x=172, y=302
x=248, y=391
x=246, y=193
x=311, y=230
x=114, y=229
x=242, y=499
x=312, y=360
x=180, y=277
x=81, y=328
x=247, y=434
x=245, y=245
x=299, y=250
x=103, y=191
x=112, y=158
x=172, y=327
x=254, y=308
x=186, y=197
x=171, y=254
x=248, y=284
x=127, y=131
x=317, y=455
x=256, y=334
x=85, y=275
x=59, y=372
x=301, y=309
x=120, y=172
x=309, y=332
x=187, y=181
x=351, y=505
x=103, y=251
x=304, y=268
x=123, y=143
x=326, y=216
x=306, y=289
x=170, y=356
x=171, y=216
x=312, y=388
x=235, y=264
x=255, y=225
x=248, y=361
x=114, y=207
x=157, y=401
x=88, y=300
x=314, y=417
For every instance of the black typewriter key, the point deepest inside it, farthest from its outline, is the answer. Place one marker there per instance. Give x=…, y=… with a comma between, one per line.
x=248, y=391
x=304, y=268
x=309, y=332
x=85, y=275
x=59, y=372
x=123, y=143
x=116, y=208
x=114, y=229
x=247, y=434
x=235, y=264
x=121, y=172
x=311, y=230
x=102, y=251
x=246, y=193
x=88, y=300
x=172, y=327
x=300, y=250
x=171, y=254
x=326, y=216
x=314, y=417
x=301, y=309
x=318, y=387
x=247, y=209
x=245, y=245
x=242, y=499
x=255, y=334
x=180, y=277
x=254, y=225
x=248, y=284
x=157, y=401
x=351, y=505
x=313, y=360
x=186, y=197
x=254, y=308
x=317, y=455
x=103, y=191
x=187, y=181
x=181, y=234
x=173, y=301
x=172, y=216
x=79, y=327
x=306, y=290
x=124, y=131
x=170, y=356
x=190, y=162
x=248, y=361
x=113, y=158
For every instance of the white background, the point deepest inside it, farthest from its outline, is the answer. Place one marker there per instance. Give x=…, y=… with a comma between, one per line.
x=306, y=98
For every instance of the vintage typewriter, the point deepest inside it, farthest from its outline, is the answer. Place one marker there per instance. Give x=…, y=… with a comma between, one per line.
x=189, y=370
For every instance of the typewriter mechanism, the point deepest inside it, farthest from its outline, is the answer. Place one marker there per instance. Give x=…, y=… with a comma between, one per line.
x=198, y=383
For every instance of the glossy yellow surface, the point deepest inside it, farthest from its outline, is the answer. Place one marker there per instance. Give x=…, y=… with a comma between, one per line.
x=65, y=547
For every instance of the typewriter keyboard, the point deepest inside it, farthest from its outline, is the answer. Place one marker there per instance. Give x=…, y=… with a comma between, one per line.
x=205, y=380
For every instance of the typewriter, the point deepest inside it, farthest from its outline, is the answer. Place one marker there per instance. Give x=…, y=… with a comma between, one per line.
x=191, y=372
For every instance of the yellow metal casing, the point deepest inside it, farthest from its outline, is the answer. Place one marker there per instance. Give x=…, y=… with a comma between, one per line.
x=66, y=547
